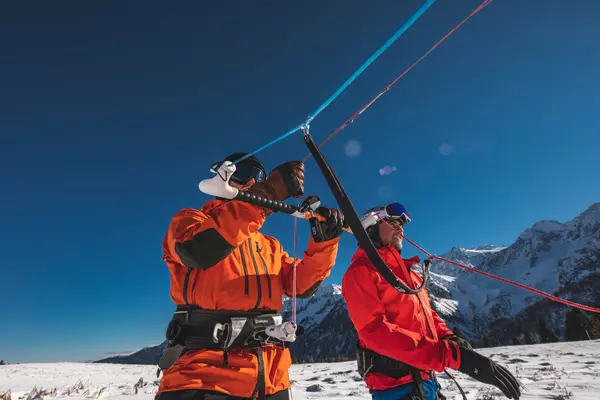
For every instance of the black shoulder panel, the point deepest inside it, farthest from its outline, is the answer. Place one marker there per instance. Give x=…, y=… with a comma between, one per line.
x=205, y=250
x=310, y=290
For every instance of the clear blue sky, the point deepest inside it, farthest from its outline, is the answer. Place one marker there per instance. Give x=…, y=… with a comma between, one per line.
x=112, y=112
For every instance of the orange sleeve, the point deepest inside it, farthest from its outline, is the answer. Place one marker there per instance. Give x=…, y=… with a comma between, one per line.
x=311, y=270
x=201, y=239
x=384, y=337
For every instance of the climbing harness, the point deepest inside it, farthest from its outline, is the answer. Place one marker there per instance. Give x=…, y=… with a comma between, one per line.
x=369, y=361
x=193, y=328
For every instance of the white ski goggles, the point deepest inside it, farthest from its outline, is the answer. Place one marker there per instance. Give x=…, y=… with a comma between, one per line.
x=393, y=211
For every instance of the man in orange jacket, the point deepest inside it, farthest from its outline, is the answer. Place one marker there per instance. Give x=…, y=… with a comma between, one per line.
x=227, y=280
x=402, y=340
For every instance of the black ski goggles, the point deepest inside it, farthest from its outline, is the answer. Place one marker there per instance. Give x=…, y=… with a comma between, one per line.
x=244, y=172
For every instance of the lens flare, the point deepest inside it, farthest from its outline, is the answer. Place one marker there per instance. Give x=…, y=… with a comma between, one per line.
x=387, y=170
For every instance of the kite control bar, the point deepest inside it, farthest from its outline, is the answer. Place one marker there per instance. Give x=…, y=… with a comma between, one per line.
x=218, y=186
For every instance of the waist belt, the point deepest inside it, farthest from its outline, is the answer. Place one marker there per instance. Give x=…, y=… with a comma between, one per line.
x=370, y=361
x=194, y=328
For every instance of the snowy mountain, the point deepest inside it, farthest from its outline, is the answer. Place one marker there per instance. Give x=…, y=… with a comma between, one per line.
x=147, y=355
x=557, y=258
x=328, y=331
x=548, y=256
x=313, y=310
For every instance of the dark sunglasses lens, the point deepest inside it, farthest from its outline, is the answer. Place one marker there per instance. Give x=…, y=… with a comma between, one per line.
x=244, y=173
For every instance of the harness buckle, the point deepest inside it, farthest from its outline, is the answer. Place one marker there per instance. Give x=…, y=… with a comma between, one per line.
x=285, y=332
x=220, y=332
x=173, y=332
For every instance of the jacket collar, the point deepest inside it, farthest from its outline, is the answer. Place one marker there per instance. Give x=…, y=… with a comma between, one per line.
x=211, y=204
x=389, y=254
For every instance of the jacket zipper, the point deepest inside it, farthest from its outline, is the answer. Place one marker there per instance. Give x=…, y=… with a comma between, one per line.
x=186, y=284
x=259, y=250
x=257, y=275
x=423, y=314
x=246, y=283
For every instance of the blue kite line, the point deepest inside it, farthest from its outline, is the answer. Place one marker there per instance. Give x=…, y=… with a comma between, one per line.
x=272, y=142
x=362, y=68
x=383, y=48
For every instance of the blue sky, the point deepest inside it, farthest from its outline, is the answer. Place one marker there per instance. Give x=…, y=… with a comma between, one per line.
x=110, y=115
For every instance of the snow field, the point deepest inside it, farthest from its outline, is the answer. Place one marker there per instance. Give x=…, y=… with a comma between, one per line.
x=555, y=371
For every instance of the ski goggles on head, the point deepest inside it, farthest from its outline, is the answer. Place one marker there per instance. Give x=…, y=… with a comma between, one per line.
x=393, y=211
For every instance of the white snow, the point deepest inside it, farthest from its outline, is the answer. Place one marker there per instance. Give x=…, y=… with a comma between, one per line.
x=447, y=278
x=483, y=250
x=78, y=380
x=546, y=371
x=445, y=306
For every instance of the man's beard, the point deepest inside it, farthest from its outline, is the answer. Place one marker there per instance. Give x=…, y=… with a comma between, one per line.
x=396, y=242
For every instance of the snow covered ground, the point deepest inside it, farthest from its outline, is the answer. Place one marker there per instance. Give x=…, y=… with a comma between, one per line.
x=557, y=371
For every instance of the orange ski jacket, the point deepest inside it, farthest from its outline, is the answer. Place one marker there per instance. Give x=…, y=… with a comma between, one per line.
x=218, y=260
x=401, y=326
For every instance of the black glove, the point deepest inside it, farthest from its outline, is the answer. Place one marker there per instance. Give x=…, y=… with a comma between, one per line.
x=462, y=342
x=487, y=371
x=330, y=228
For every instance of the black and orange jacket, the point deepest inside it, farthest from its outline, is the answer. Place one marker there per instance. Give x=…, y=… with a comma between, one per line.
x=218, y=260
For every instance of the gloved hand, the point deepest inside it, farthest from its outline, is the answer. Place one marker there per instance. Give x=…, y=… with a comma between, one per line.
x=461, y=341
x=284, y=181
x=487, y=371
x=328, y=229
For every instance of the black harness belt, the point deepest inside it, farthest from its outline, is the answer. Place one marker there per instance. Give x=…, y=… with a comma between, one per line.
x=193, y=328
x=370, y=361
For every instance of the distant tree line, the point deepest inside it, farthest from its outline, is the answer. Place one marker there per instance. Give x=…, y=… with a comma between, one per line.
x=582, y=325
x=579, y=325
x=313, y=359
